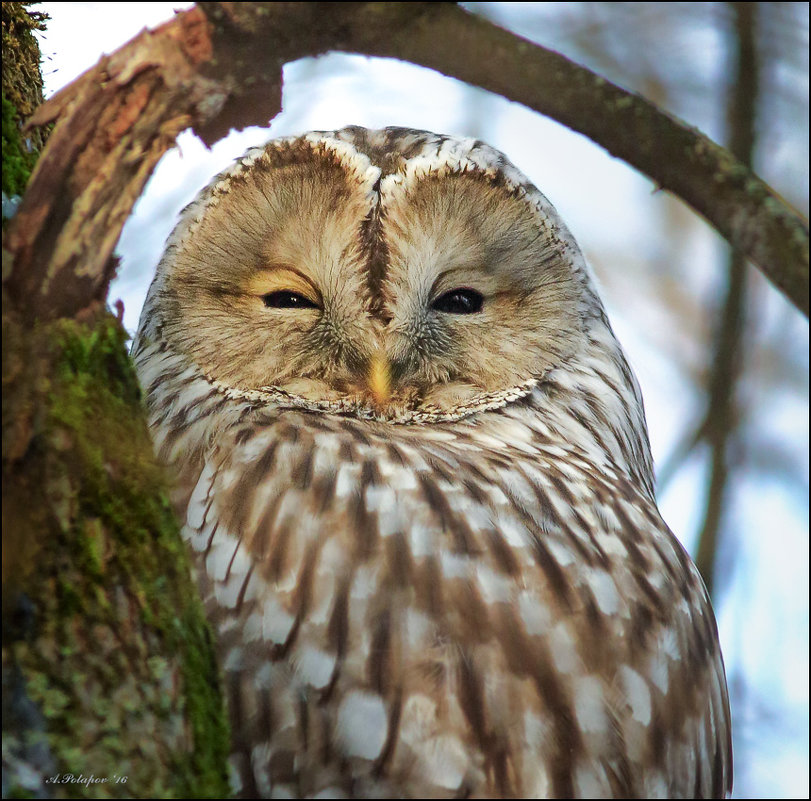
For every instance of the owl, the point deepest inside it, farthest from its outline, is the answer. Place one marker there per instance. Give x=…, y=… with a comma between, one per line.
x=412, y=467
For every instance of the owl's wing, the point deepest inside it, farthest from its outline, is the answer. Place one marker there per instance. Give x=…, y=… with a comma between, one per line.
x=428, y=615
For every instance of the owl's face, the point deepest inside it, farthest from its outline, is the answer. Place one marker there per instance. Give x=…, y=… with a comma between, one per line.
x=488, y=606
x=386, y=271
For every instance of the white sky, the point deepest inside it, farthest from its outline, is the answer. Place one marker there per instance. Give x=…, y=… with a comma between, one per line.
x=764, y=615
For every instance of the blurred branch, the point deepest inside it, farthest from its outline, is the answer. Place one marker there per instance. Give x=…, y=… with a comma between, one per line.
x=722, y=418
x=219, y=65
x=678, y=456
x=735, y=201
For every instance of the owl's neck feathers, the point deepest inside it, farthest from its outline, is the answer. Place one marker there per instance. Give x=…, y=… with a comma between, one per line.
x=277, y=397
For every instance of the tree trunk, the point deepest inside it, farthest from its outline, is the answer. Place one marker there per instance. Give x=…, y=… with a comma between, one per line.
x=110, y=688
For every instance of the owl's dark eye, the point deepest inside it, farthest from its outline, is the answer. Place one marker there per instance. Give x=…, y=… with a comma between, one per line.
x=285, y=299
x=459, y=301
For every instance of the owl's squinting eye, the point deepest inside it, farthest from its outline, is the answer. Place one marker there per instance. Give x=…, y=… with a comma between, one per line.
x=459, y=301
x=285, y=299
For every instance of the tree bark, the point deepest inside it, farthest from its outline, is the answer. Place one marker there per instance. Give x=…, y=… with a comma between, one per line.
x=110, y=687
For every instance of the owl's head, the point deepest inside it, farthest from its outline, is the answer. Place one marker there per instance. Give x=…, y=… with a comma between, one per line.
x=392, y=271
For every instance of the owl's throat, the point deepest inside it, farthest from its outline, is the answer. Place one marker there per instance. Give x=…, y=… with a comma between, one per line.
x=402, y=405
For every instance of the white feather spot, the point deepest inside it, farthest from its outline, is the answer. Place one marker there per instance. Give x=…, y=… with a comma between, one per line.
x=495, y=588
x=438, y=435
x=534, y=614
x=254, y=587
x=229, y=478
x=606, y=536
x=563, y=556
x=455, y=566
x=512, y=531
x=589, y=704
x=255, y=447
x=536, y=730
x=420, y=540
x=266, y=493
x=235, y=774
x=445, y=761
x=233, y=660
x=219, y=557
x=314, y=666
x=196, y=509
x=379, y=498
x=659, y=671
x=276, y=622
x=241, y=563
x=227, y=592
x=260, y=756
x=403, y=478
x=364, y=583
x=390, y=519
x=198, y=539
x=227, y=624
x=536, y=778
x=637, y=694
x=416, y=463
x=669, y=644
x=418, y=720
x=252, y=630
x=417, y=628
x=263, y=678
x=656, y=785
x=605, y=591
x=590, y=781
x=361, y=725
x=347, y=480
x=563, y=650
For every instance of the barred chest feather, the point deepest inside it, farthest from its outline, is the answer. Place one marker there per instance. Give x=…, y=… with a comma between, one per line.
x=474, y=608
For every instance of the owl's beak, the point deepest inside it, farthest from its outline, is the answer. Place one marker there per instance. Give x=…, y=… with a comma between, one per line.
x=379, y=379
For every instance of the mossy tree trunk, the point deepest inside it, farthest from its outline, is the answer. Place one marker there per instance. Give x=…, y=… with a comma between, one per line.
x=110, y=687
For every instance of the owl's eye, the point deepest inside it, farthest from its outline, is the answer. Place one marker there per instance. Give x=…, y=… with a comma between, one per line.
x=459, y=301
x=285, y=299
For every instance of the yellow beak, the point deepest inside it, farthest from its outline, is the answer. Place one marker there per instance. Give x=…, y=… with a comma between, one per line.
x=379, y=379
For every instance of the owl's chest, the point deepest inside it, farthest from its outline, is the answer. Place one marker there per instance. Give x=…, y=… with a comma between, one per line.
x=429, y=601
x=403, y=509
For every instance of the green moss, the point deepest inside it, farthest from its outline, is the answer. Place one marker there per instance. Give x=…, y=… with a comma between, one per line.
x=18, y=161
x=121, y=661
x=22, y=93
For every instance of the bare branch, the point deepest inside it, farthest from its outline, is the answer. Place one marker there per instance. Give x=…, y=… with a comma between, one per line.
x=741, y=207
x=219, y=66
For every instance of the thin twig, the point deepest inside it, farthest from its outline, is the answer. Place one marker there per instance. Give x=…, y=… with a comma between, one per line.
x=722, y=419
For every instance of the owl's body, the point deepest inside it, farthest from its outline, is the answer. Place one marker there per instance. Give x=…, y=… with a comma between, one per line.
x=413, y=467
